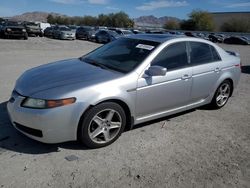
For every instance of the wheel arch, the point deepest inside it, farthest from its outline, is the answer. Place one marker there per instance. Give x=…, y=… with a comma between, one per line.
x=125, y=107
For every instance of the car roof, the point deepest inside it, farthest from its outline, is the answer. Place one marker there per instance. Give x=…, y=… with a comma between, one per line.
x=161, y=38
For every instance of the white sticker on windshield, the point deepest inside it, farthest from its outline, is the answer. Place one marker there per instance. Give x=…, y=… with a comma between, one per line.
x=145, y=46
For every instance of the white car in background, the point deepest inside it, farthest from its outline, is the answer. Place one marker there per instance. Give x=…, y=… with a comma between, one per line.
x=43, y=25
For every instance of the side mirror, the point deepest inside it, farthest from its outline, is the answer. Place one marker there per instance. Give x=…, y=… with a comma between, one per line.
x=156, y=71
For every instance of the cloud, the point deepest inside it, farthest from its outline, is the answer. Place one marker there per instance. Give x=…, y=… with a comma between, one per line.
x=238, y=5
x=99, y=2
x=68, y=2
x=76, y=2
x=153, y=5
x=112, y=8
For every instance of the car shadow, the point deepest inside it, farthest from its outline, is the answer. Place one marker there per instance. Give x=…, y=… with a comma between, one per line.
x=245, y=69
x=13, y=140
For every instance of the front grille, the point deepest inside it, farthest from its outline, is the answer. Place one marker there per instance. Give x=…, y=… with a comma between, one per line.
x=31, y=131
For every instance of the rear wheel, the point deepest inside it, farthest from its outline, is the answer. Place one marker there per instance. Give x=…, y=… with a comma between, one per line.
x=222, y=95
x=102, y=125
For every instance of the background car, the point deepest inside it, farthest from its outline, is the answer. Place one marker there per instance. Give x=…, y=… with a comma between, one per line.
x=124, y=32
x=63, y=32
x=12, y=29
x=236, y=40
x=216, y=38
x=43, y=25
x=105, y=36
x=48, y=32
x=85, y=32
x=33, y=29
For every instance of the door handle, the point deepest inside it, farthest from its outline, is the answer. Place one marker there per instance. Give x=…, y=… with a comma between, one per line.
x=217, y=69
x=185, y=77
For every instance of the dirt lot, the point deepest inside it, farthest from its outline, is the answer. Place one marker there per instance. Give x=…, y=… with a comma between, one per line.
x=199, y=148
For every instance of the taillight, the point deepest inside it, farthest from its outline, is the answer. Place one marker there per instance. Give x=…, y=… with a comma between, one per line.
x=239, y=65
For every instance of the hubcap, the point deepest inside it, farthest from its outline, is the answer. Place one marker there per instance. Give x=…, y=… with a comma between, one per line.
x=104, y=126
x=223, y=94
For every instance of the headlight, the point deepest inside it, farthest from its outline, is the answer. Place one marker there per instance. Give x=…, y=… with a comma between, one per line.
x=43, y=104
x=8, y=29
x=24, y=30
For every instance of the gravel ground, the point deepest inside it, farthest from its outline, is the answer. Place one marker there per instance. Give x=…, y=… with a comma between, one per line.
x=198, y=148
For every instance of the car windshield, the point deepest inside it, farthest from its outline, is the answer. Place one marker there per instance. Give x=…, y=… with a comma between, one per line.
x=113, y=33
x=32, y=24
x=122, y=55
x=64, y=29
x=12, y=24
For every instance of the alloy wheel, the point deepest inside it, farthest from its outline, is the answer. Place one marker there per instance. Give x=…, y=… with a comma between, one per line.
x=105, y=126
x=223, y=94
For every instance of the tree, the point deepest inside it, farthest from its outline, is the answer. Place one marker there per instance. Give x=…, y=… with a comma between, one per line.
x=119, y=19
x=236, y=25
x=198, y=20
x=202, y=19
x=188, y=25
x=50, y=19
x=172, y=25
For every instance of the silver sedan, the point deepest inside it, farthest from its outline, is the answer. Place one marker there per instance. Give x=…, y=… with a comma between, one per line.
x=126, y=82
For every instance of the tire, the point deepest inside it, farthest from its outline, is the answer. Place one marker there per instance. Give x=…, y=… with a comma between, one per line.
x=97, y=40
x=222, y=94
x=95, y=129
x=25, y=37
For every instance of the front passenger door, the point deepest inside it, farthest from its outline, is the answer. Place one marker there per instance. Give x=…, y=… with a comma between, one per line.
x=157, y=95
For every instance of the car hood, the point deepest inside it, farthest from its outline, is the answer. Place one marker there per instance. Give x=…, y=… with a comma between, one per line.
x=14, y=27
x=68, y=32
x=62, y=73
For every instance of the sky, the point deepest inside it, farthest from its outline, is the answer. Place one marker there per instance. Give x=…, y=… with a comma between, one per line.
x=134, y=8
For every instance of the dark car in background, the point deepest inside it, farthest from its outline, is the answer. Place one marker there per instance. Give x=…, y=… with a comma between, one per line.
x=85, y=32
x=105, y=36
x=216, y=38
x=11, y=29
x=236, y=40
x=33, y=29
x=48, y=32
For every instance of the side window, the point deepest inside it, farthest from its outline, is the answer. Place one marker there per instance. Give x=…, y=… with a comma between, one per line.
x=172, y=57
x=200, y=53
x=216, y=56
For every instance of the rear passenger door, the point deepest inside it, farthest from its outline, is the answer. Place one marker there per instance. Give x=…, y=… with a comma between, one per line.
x=205, y=61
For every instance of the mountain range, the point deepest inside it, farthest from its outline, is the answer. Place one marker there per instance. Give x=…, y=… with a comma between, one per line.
x=140, y=21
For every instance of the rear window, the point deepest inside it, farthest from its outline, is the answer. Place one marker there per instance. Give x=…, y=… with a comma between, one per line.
x=216, y=56
x=201, y=53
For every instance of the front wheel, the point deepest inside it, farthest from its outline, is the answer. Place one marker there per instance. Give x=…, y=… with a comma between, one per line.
x=25, y=37
x=222, y=95
x=102, y=125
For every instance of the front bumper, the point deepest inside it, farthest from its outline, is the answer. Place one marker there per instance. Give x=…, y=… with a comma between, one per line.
x=15, y=34
x=34, y=32
x=69, y=37
x=53, y=125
